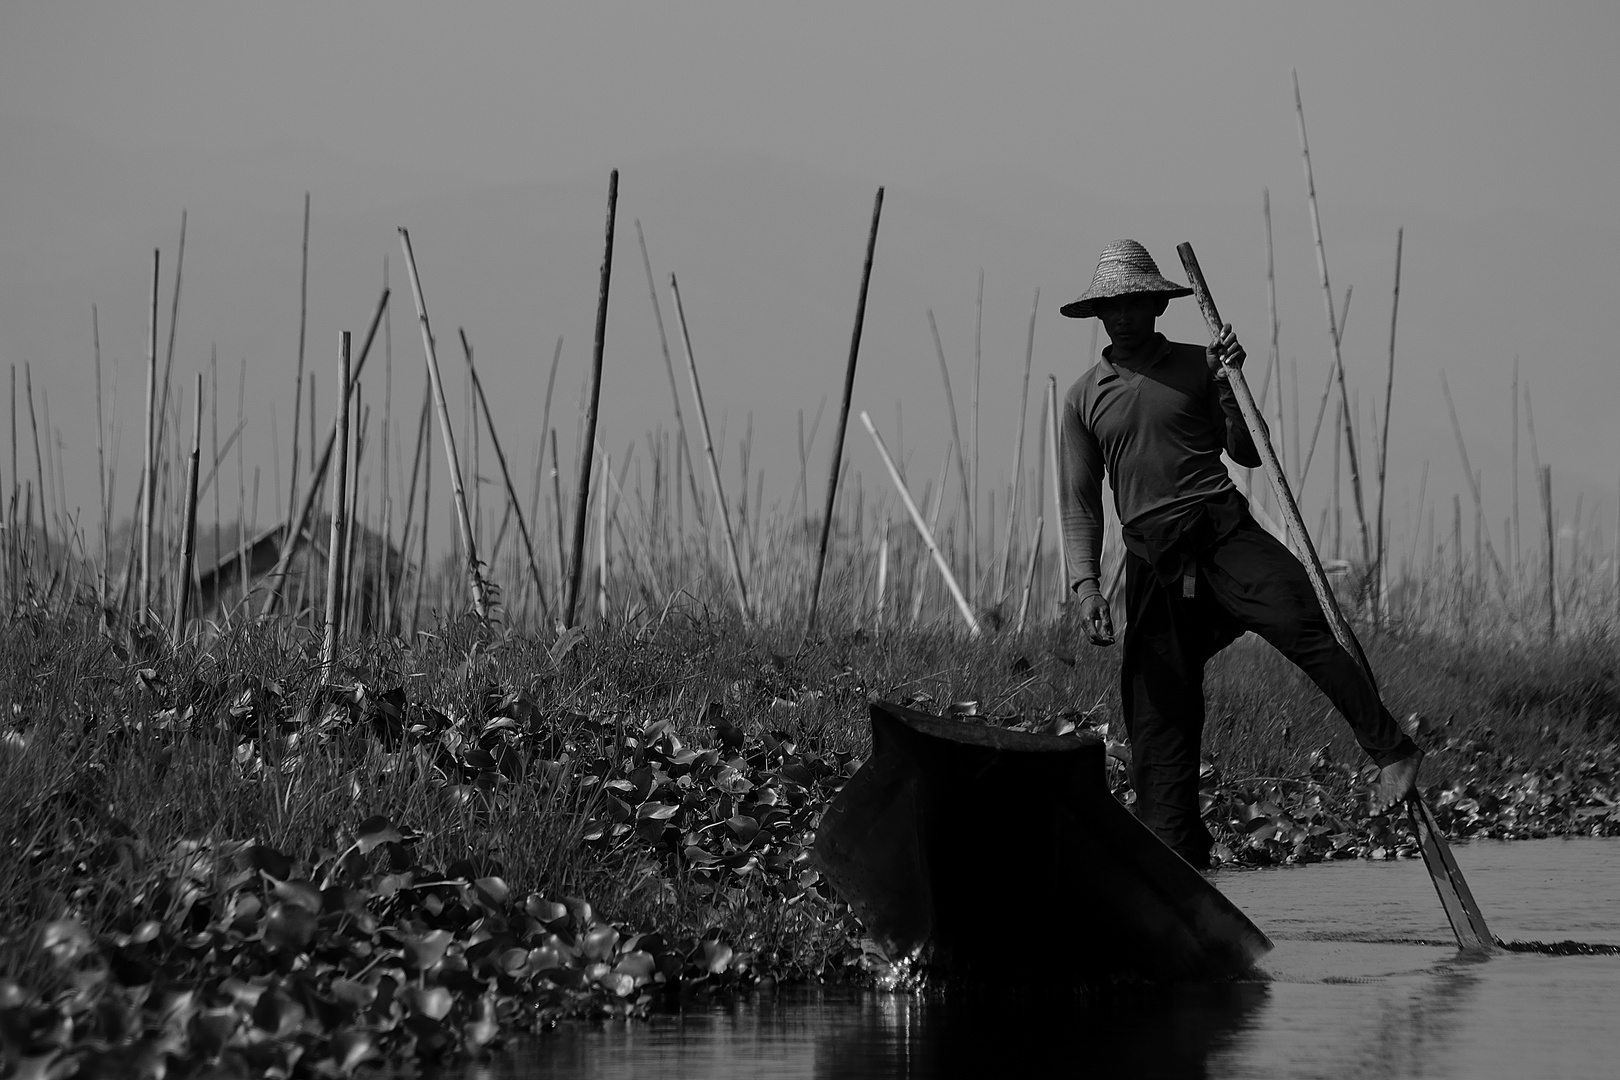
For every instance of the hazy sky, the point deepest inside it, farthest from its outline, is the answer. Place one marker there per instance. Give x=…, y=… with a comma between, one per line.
x=1017, y=137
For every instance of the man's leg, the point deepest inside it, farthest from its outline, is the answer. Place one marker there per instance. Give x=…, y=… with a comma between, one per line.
x=1162, y=690
x=1265, y=588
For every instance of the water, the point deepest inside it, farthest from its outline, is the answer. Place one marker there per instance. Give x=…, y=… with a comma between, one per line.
x=1364, y=982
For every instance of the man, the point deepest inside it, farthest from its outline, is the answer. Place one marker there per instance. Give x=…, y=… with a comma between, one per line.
x=1157, y=415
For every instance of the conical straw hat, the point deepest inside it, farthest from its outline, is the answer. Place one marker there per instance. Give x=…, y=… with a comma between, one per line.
x=1125, y=268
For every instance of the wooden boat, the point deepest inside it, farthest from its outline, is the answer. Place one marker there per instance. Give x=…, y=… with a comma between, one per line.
x=986, y=852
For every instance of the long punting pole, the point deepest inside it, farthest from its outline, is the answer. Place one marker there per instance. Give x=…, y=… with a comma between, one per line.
x=1333, y=332
x=188, y=535
x=843, y=420
x=148, y=487
x=1466, y=921
x=923, y=530
x=340, y=507
x=300, y=521
x=708, y=455
x=506, y=477
x=463, y=521
x=583, y=493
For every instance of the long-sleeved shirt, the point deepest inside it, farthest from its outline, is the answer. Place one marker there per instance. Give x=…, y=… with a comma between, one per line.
x=1158, y=426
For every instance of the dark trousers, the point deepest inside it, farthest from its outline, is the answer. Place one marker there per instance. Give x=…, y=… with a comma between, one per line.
x=1245, y=581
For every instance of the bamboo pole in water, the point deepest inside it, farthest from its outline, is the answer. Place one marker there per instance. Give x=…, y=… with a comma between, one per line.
x=479, y=595
x=188, y=533
x=506, y=478
x=340, y=506
x=708, y=451
x=588, y=445
x=923, y=529
x=843, y=419
x=1473, y=485
x=1333, y=330
x=1464, y=914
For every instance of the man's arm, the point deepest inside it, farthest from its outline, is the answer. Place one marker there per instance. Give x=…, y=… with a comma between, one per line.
x=1239, y=443
x=1080, y=475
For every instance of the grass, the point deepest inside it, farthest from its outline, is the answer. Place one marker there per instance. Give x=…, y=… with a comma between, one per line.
x=502, y=757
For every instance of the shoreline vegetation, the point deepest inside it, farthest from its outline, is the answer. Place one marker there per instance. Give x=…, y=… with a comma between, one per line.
x=219, y=862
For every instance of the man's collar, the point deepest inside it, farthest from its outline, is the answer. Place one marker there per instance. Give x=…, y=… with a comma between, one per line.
x=1160, y=349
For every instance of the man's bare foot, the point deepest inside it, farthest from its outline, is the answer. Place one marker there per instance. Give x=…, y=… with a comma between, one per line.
x=1396, y=783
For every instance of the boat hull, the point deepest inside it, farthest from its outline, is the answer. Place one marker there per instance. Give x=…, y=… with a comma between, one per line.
x=992, y=853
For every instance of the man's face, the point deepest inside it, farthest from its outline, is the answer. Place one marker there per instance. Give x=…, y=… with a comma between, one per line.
x=1129, y=319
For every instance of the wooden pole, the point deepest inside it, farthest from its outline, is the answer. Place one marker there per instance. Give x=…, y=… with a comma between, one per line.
x=1333, y=330
x=101, y=463
x=1473, y=485
x=708, y=452
x=1057, y=484
x=978, y=364
x=588, y=444
x=1381, y=570
x=923, y=530
x=919, y=587
x=479, y=595
x=298, y=380
x=39, y=468
x=340, y=507
x=188, y=534
x=1552, y=540
x=300, y=520
x=601, y=542
x=683, y=448
x=1029, y=573
x=843, y=421
x=506, y=477
x=148, y=484
x=1018, y=455
x=1466, y=921
x=956, y=435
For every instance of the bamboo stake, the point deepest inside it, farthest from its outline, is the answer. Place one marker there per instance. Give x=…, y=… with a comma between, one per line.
x=300, y=520
x=588, y=442
x=919, y=586
x=1333, y=329
x=1516, y=552
x=1018, y=456
x=340, y=506
x=601, y=543
x=422, y=557
x=557, y=514
x=708, y=451
x=188, y=535
x=506, y=477
x=683, y=446
x=882, y=575
x=956, y=435
x=1057, y=483
x=843, y=420
x=101, y=463
x=479, y=595
x=39, y=467
x=1473, y=484
x=1463, y=912
x=298, y=378
x=1552, y=537
x=923, y=530
x=978, y=364
x=1029, y=573
x=148, y=484
x=1381, y=579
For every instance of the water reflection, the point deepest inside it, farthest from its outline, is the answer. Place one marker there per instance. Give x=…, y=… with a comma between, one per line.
x=1160, y=1031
